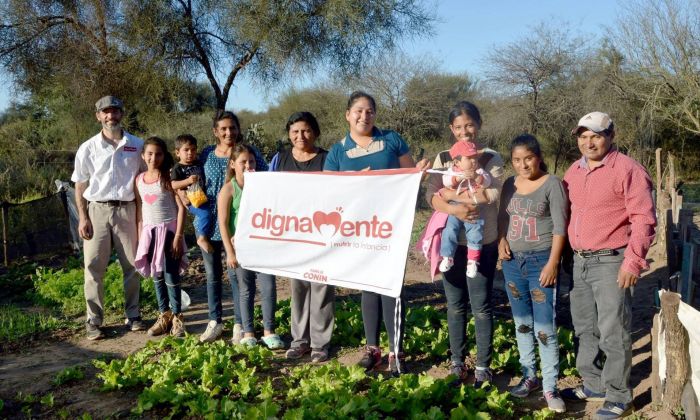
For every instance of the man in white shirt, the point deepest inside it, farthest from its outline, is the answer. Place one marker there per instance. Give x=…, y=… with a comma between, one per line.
x=105, y=168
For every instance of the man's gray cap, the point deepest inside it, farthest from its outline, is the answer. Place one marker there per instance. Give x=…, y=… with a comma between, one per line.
x=595, y=121
x=108, y=102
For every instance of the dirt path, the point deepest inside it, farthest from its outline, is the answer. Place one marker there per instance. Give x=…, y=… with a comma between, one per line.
x=32, y=369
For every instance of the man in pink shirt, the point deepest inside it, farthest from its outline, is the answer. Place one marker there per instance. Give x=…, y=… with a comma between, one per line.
x=611, y=229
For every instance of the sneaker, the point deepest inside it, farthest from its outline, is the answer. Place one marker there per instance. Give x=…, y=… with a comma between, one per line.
x=135, y=324
x=297, y=352
x=554, y=401
x=525, y=387
x=163, y=324
x=319, y=356
x=614, y=410
x=472, y=268
x=371, y=359
x=93, y=332
x=237, y=334
x=178, y=328
x=460, y=373
x=446, y=264
x=581, y=393
x=481, y=377
x=249, y=341
x=213, y=331
x=393, y=367
x=273, y=341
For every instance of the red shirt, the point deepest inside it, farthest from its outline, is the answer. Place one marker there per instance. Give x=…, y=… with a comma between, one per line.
x=612, y=207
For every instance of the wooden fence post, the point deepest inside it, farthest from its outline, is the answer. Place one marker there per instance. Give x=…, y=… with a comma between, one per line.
x=677, y=358
x=4, y=232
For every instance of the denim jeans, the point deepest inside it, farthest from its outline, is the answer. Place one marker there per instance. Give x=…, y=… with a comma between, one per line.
x=602, y=316
x=459, y=289
x=534, y=314
x=167, y=284
x=268, y=297
x=203, y=219
x=450, y=235
x=214, y=269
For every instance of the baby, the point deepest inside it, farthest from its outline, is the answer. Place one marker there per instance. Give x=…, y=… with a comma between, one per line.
x=188, y=181
x=465, y=177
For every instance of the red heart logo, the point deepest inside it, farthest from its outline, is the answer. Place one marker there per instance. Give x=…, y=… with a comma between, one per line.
x=150, y=198
x=333, y=219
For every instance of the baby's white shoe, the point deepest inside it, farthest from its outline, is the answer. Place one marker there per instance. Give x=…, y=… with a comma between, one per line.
x=472, y=267
x=446, y=264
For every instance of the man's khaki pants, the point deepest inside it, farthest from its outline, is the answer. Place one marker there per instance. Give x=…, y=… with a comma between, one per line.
x=113, y=226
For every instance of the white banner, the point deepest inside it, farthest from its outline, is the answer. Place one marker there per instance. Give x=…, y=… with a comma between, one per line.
x=348, y=229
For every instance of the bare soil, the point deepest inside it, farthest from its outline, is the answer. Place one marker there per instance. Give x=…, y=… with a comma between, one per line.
x=31, y=367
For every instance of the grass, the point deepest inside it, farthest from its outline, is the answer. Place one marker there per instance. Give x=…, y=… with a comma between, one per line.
x=15, y=324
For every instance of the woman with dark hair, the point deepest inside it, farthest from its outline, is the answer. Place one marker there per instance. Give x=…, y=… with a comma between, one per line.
x=465, y=122
x=215, y=161
x=532, y=232
x=367, y=147
x=313, y=304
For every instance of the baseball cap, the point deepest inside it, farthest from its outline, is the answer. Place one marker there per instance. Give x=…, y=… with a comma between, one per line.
x=463, y=148
x=108, y=102
x=595, y=121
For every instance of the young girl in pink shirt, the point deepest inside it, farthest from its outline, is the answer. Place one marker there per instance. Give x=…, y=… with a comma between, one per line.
x=160, y=219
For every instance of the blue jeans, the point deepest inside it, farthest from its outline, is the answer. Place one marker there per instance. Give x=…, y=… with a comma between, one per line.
x=268, y=297
x=167, y=283
x=478, y=292
x=534, y=314
x=602, y=316
x=450, y=235
x=214, y=269
x=203, y=219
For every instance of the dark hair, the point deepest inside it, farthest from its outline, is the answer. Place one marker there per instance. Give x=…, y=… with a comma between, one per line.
x=307, y=117
x=465, y=108
x=530, y=143
x=184, y=139
x=228, y=115
x=357, y=95
x=236, y=151
x=167, y=163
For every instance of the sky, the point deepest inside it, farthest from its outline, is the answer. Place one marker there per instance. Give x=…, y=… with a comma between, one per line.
x=465, y=32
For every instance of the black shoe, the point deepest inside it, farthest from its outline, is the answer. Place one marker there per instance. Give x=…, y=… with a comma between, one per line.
x=371, y=359
x=135, y=324
x=460, y=373
x=482, y=376
x=93, y=332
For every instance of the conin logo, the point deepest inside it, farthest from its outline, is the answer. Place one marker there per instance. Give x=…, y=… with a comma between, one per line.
x=278, y=226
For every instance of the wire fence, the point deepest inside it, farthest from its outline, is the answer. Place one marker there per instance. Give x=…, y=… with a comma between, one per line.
x=43, y=226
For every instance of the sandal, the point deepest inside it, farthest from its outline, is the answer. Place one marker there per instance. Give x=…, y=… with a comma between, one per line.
x=273, y=342
x=249, y=341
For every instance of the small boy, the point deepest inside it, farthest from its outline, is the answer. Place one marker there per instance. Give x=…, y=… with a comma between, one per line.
x=185, y=174
x=465, y=176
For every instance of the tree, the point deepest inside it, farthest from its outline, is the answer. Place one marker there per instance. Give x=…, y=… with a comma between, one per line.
x=660, y=43
x=529, y=65
x=188, y=38
x=413, y=97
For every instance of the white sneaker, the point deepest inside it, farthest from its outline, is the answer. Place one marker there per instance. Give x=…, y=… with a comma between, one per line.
x=472, y=268
x=213, y=331
x=237, y=334
x=446, y=264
